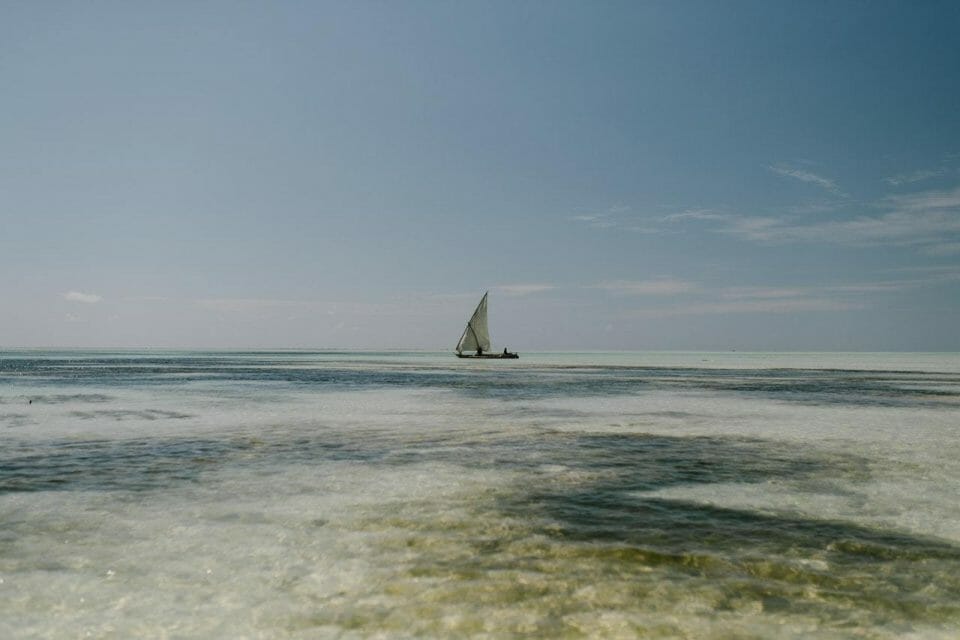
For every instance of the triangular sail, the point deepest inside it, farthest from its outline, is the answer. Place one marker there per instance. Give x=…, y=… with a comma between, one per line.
x=477, y=335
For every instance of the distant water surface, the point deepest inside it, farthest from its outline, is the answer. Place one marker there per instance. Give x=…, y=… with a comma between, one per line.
x=297, y=494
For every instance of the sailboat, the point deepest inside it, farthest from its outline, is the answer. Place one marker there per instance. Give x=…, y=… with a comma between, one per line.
x=476, y=336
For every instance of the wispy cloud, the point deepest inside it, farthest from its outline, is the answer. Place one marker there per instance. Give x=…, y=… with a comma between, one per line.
x=846, y=290
x=943, y=249
x=928, y=220
x=611, y=217
x=247, y=304
x=946, y=166
x=694, y=214
x=922, y=219
x=523, y=289
x=914, y=176
x=410, y=304
x=766, y=293
x=927, y=200
x=793, y=299
x=806, y=176
x=790, y=305
x=655, y=287
x=758, y=299
x=147, y=299
x=597, y=221
x=79, y=296
x=655, y=223
x=949, y=272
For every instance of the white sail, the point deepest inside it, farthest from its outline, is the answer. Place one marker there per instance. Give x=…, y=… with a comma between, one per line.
x=477, y=335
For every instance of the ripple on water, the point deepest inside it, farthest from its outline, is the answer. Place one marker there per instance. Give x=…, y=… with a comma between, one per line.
x=282, y=495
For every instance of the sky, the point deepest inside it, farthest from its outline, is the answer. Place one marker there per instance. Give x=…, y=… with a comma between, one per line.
x=619, y=175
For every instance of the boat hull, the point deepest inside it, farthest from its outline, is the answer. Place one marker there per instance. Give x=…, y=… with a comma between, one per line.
x=491, y=356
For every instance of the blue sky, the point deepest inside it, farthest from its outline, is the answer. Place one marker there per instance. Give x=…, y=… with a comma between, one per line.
x=640, y=175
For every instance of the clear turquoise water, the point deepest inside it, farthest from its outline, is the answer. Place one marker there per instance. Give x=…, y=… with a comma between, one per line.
x=354, y=495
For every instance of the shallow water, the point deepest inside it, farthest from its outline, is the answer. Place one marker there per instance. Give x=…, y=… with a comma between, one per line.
x=354, y=495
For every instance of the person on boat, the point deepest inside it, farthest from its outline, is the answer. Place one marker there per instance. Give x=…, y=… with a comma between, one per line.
x=479, y=351
x=505, y=352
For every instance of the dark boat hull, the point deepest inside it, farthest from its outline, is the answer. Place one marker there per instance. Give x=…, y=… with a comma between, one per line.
x=491, y=356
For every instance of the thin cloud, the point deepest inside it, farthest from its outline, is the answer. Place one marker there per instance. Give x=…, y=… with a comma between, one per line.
x=764, y=293
x=79, y=296
x=946, y=166
x=603, y=219
x=655, y=287
x=929, y=220
x=649, y=229
x=409, y=305
x=848, y=289
x=694, y=214
x=617, y=217
x=793, y=299
x=147, y=299
x=603, y=224
x=596, y=221
x=926, y=218
x=927, y=200
x=943, y=249
x=757, y=228
x=247, y=304
x=932, y=271
x=751, y=306
x=524, y=289
x=806, y=176
x=914, y=176
x=810, y=208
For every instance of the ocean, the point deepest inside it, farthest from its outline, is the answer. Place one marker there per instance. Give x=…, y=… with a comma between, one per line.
x=309, y=494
